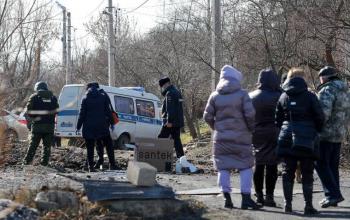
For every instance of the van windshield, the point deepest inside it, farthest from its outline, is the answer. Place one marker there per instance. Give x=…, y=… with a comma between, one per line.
x=70, y=97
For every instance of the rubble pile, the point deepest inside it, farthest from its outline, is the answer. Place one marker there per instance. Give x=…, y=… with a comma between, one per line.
x=199, y=152
x=10, y=210
x=68, y=157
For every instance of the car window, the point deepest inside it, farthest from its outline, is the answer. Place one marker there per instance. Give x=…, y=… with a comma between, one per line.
x=145, y=108
x=124, y=105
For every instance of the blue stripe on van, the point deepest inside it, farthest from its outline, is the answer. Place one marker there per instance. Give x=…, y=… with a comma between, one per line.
x=122, y=117
x=68, y=113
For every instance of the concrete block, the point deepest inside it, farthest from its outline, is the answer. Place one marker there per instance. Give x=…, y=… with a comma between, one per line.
x=141, y=174
x=53, y=200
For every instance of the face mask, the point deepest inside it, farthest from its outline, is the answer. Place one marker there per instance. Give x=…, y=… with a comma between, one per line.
x=163, y=89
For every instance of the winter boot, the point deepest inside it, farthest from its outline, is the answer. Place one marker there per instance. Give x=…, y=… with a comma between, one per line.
x=98, y=165
x=228, y=201
x=269, y=201
x=247, y=202
x=260, y=198
x=288, y=195
x=113, y=167
x=309, y=208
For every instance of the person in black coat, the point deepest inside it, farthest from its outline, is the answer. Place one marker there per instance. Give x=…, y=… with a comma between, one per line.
x=300, y=117
x=99, y=143
x=265, y=135
x=95, y=117
x=172, y=114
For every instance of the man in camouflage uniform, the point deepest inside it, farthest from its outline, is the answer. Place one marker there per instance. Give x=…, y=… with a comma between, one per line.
x=41, y=109
x=334, y=99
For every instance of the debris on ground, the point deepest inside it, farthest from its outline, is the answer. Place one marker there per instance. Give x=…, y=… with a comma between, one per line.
x=10, y=210
x=56, y=199
x=199, y=153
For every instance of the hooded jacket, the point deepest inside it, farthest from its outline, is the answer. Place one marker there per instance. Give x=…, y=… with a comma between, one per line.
x=95, y=115
x=334, y=98
x=297, y=110
x=41, y=108
x=265, y=134
x=230, y=113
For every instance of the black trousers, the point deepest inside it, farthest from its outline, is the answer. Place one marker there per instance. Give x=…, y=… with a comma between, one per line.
x=100, y=151
x=306, y=167
x=270, y=180
x=104, y=141
x=328, y=169
x=175, y=135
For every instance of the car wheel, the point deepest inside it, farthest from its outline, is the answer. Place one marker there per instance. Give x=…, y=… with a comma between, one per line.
x=122, y=140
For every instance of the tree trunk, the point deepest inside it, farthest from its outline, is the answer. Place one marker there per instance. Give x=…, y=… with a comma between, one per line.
x=190, y=124
x=198, y=128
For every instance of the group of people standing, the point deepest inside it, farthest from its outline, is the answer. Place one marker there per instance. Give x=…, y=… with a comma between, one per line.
x=285, y=123
x=95, y=120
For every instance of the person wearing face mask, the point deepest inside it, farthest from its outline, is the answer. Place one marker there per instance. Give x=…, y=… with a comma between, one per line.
x=172, y=114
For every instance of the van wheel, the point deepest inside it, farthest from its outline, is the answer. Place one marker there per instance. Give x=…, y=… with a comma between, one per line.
x=122, y=140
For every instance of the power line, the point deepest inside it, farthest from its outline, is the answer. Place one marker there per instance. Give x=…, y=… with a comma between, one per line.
x=138, y=7
x=150, y=15
x=161, y=5
x=96, y=8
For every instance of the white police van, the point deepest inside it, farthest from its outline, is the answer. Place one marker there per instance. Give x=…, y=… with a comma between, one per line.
x=139, y=113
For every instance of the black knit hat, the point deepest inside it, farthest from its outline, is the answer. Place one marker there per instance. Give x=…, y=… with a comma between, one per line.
x=92, y=84
x=40, y=86
x=163, y=81
x=328, y=71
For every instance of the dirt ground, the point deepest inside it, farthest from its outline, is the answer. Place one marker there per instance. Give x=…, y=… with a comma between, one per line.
x=21, y=183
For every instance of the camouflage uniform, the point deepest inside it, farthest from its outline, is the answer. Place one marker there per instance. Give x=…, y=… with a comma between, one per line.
x=334, y=99
x=335, y=102
x=41, y=109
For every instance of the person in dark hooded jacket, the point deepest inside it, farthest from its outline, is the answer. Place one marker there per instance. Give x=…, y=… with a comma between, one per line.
x=40, y=112
x=300, y=117
x=265, y=135
x=99, y=143
x=95, y=117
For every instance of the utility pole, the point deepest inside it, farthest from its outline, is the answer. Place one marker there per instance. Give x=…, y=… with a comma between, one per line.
x=111, y=47
x=69, y=53
x=215, y=41
x=208, y=16
x=118, y=15
x=64, y=40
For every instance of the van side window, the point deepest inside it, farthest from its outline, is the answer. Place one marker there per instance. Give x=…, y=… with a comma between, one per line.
x=124, y=105
x=145, y=108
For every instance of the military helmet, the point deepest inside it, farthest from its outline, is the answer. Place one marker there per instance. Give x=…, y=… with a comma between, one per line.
x=328, y=71
x=40, y=86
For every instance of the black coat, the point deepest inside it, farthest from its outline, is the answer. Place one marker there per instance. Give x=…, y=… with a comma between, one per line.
x=95, y=115
x=265, y=134
x=306, y=115
x=172, y=110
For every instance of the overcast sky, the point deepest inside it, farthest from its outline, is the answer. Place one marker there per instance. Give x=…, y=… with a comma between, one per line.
x=82, y=11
